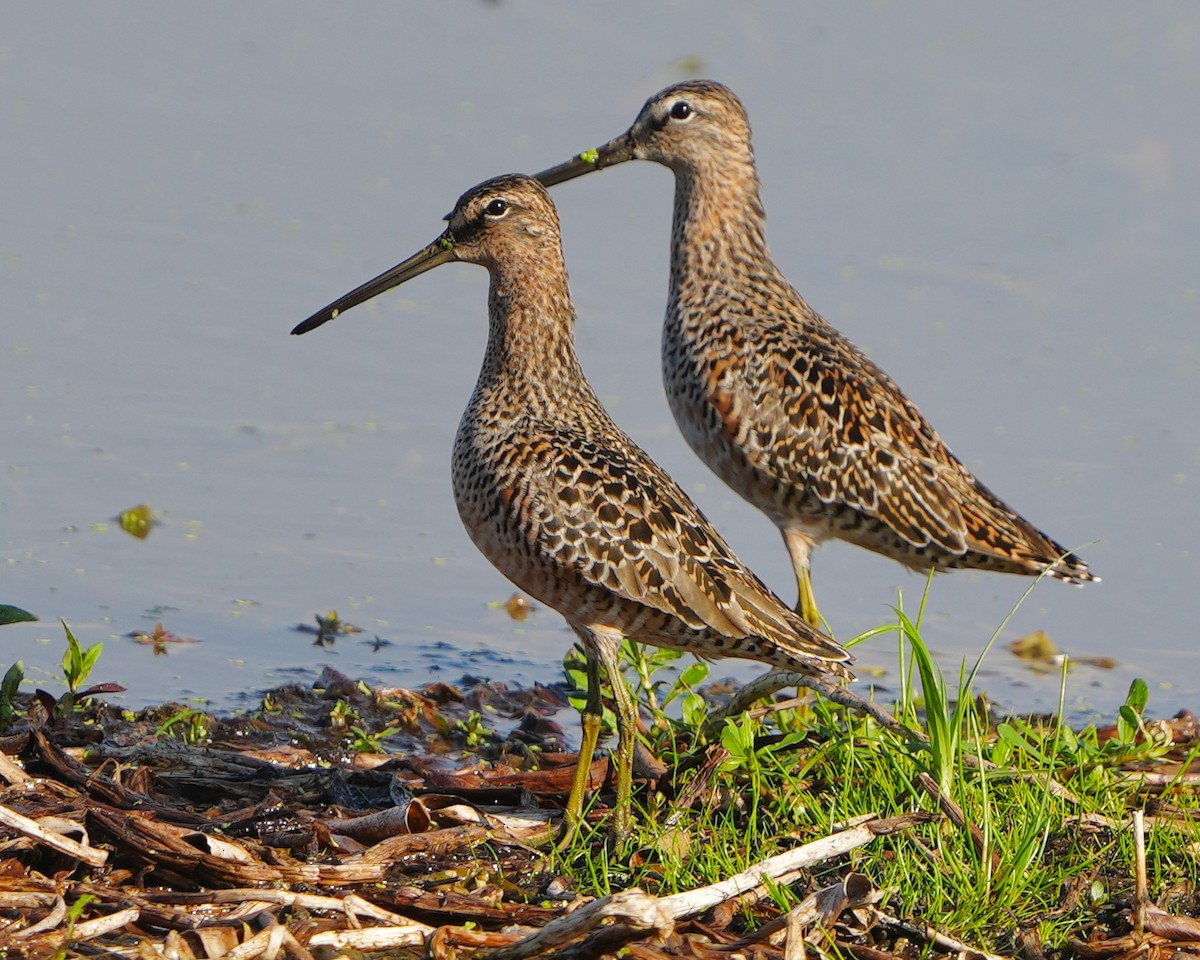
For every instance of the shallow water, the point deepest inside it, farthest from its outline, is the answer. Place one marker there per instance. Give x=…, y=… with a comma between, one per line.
x=996, y=203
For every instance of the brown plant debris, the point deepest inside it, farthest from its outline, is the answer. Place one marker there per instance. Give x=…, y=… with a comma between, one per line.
x=339, y=820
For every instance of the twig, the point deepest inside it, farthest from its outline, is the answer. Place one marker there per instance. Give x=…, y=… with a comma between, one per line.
x=1140, y=896
x=793, y=948
x=50, y=921
x=265, y=943
x=1098, y=821
x=692, y=902
x=775, y=680
x=931, y=935
x=638, y=915
x=368, y=939
x=294, y=948
x=11, y=771
x=1153, y=778
x=92, y=929
x=820, y=908
x=44, y=942
x=352, y=906
x=92, y=856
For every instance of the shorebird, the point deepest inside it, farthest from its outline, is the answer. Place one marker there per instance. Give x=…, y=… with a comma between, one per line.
x=567, y=506
x=781, y=406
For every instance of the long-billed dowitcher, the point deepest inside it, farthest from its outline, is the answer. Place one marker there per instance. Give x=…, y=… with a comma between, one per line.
x=563, y=503
x=780, y=405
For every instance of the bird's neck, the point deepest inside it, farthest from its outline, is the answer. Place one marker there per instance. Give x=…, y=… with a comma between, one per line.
x=717, y=235
x=531, y=345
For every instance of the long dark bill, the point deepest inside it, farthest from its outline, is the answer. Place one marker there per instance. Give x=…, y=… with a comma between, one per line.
x=439, y=252
x=615, y=151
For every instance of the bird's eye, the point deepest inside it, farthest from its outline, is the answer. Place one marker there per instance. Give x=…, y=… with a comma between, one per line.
x=681, y=110
x=496, y=209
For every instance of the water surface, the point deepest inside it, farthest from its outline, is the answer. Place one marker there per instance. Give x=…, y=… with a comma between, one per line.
x=997, y=203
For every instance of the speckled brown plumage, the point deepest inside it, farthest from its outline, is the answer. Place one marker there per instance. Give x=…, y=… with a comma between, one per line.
x=557, y=497
x=780, y=405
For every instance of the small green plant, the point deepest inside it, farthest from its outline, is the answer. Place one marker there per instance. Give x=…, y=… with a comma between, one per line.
x=943, y=720
x=8, y=694
x=655, y=694
x=188, y=726
x=472, y=731
x=1130, y=724
x=74, y=912
x=364, y=741
x=77, y=663
x=343, y=716
x=658, y=694
x=575, y=671
x=739, y=738
x=1082, y=756
x=947, y=718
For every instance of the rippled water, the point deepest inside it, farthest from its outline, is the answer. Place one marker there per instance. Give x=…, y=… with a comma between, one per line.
x=997, y=203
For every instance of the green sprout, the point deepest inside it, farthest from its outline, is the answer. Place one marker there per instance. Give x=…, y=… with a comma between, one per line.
x=187, y=726
x=77, y=663
x=8, y=694
x=591, y=155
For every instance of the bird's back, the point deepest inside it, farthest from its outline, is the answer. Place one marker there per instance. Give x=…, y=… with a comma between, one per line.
x=806, y=427
x=571, y=510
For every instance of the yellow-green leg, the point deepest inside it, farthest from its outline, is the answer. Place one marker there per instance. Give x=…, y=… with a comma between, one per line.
x=601, y=645
x=608, y=647
x=806, y=606
x=593, y=715
x=799, y=545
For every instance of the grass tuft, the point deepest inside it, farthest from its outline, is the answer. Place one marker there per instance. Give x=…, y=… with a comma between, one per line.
x=1041, y=843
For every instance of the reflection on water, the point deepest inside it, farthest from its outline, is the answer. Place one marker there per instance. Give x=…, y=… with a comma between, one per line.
x=1015, y=246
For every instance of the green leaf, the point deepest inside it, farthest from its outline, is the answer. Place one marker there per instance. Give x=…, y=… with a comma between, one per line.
x=77, y=663
x=1014, y=739
x=8, y=693
x=1138, y=696
x=694, y=709
x=1127, y=723
x=77, y=908
x=12, y=680
x=693, y=674
x=11, y=614
x=1009, y=735
x=578, y=678
x=73, y=655
x=738, y=737
x=90, y=656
